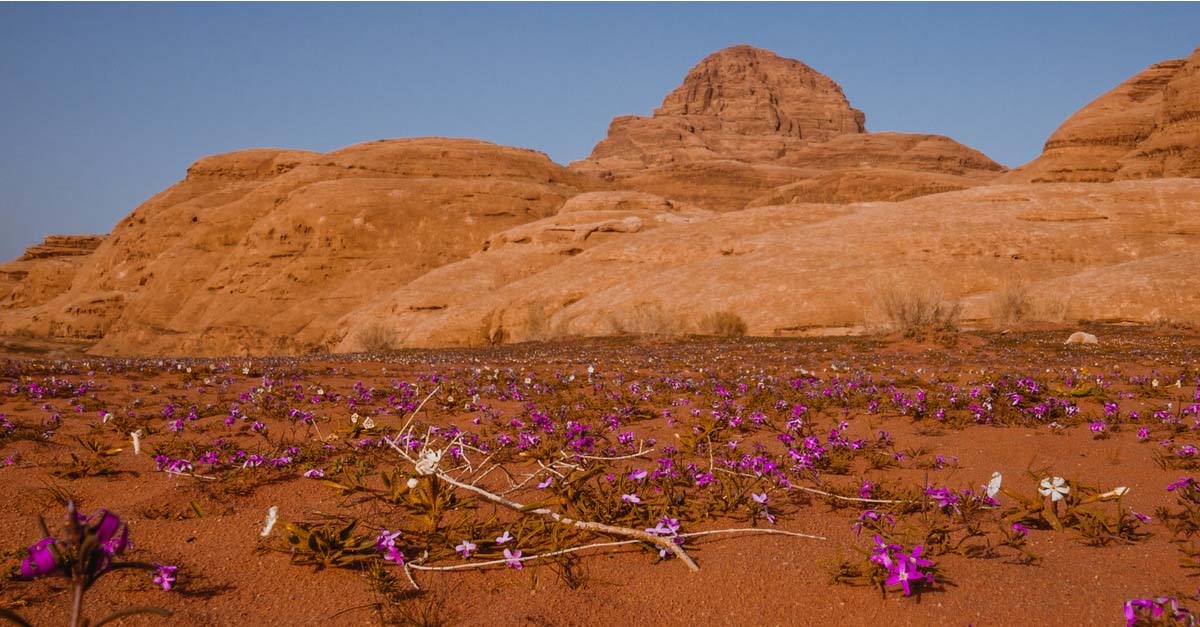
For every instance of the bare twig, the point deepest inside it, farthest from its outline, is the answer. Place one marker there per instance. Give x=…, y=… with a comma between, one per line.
x=821, y=492
x=640, y=452
x=417, y=565
x=189, y=474
x=659, y=541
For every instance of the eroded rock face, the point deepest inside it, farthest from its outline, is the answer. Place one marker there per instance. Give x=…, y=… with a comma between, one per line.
x=259, y=251
x=413, y=315
x=1146, y=127
x=802, y=268
x=746, y=121
x=63, y=246
x=45, y=270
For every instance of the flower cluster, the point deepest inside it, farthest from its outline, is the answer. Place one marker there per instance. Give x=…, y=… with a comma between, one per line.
x=386, y=543
x=1138, y=610
x=902, y=569
x=86, y=548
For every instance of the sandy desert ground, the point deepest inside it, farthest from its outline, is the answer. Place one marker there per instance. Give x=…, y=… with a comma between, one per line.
x=855, y=441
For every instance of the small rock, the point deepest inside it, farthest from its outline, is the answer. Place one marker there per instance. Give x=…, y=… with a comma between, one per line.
x=1079, y=337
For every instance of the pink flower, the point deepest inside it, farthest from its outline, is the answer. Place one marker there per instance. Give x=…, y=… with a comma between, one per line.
x=465, y=548
x=165, y=576
x=512, y=558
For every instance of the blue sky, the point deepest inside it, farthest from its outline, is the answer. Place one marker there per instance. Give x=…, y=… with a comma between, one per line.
x=102, y=106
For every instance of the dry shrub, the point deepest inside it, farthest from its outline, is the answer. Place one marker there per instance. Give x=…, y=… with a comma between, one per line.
x=643, y=319
x=915, y=311
x=723, y=324
x=1011, y=304
x=376, y=337
x=537, y=323
x=1014, y=303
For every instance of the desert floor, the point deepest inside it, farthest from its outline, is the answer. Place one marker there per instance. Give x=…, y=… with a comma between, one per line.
x=714, y=434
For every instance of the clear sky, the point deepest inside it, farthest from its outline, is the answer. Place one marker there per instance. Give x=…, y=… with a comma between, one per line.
x=101, y=106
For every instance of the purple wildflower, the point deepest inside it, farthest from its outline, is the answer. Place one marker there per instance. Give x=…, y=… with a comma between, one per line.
x=465, y=548
x=165, y=576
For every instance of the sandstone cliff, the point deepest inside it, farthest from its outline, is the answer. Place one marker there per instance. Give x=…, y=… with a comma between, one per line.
x=45, y=270
x=1146, y=127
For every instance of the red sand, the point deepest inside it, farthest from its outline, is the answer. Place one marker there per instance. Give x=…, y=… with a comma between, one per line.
x=752, y=579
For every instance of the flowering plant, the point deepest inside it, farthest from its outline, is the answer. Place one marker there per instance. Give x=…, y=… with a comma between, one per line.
x=86, y=549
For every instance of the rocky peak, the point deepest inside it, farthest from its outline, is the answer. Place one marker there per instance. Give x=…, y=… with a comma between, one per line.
x=757, y=92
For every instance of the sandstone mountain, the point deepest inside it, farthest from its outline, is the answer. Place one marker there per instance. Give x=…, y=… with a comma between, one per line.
x=261, y=250
x=1146, y=127
x=746, y=121
x=754, y=193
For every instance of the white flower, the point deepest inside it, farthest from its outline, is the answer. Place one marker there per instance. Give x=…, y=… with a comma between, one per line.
x=354, y=418
x=1054, y=487
x=413, y=483
x=427, y=465
x=1154, y=383
x=368, y=423
x=272, y=516
x=246, y=370
x=993, y=486
x=528, y=380
x=591, y=369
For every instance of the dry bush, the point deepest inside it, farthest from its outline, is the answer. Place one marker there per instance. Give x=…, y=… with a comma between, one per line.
x=376, y=337
x=643, y=319
x=723, y=324
x=1014, y=303
x=915, y=311
x=1011, y=304
x=537, y=323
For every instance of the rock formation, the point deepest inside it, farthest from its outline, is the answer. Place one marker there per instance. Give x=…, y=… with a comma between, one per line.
x=45, y=270
x=797, y=269
x=261, y=250
x=754, y=192
x=430, y=307
x=62, y=246
x=746, y=121
x=1146, y=127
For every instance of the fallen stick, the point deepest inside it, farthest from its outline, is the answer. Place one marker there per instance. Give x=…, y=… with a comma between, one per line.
x=409, y=566
x=659, y=541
